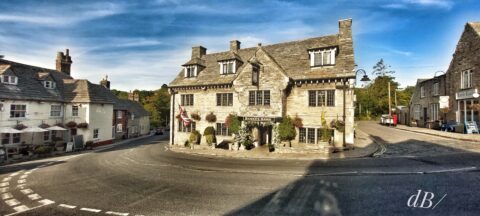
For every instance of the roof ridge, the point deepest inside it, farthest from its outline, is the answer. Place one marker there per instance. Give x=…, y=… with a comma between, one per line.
x=26, y=65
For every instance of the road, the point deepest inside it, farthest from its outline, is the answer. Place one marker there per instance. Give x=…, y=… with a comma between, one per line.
x=145, y=178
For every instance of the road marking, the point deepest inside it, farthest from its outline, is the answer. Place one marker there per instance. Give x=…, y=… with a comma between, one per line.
x=23, y=176
x=6, y=196
x=27, y=209
x=33, y=169
x=12, y=202
x=3, y=189
x=91, y=210
x=22, y=181
x=116, y=213
x=21, y=186
x=34, y=196
x=27, y=191
x=67, y=206
x=6, y=179
x=4, y=184
x=14, y=174
x=46, y=202
x=28, y=173
x=20, y=208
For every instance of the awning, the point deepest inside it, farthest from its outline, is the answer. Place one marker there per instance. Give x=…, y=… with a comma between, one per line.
x=34, y=130
x=9, y=130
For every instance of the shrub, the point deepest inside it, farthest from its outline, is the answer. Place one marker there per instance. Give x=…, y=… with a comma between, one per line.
x=326, y=134
x=233, y=123
x=71, y=124
x=297, y=121
x=211, y=117
x=42, y=150
x=89, y=144
x=287, y=130
x=244, y=138
x=195, y=116
x=194, y=137
x=82, y=125
x=209, y=134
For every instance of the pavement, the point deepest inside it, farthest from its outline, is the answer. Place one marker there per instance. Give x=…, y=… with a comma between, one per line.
x=363, y=147
x=444, y=134
x=144, y=177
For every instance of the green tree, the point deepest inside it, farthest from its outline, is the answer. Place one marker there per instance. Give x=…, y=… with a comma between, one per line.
x=287, y=130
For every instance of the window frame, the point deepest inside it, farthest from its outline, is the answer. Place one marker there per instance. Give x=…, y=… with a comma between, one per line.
x=96, y=132
x=321, y=98
x=49, y=84
x=187, y=99
x=320, y=58
x=119, y=128
x=221, y=129
x=75, y=110
x=9, y=79
x=24, y=111
x=422, y=91
x=228, y=67
x=466, y=79
x=190, y=71
x=257, y=98
x=436, y=88
x=224, y=99
x=59, y=111
x=186, y=129
x=46, y=136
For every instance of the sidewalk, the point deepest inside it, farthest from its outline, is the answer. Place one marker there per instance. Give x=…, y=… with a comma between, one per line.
x=450, y=135
x=363, y=147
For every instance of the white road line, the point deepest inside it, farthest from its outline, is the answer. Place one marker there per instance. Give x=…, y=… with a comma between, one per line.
x=67, y=206
x=23, y=176
x=34, y=196
x=20, y=208
x=46, y=202
x=91, y=210
x=28, y=173
x=27, y=191
x=6, y=179
x=116, y=213
x=28, y=209
x=3, y=189
x=12, y=202
x=22, y=181
x=4, y=184
x=33, y=169
x=14, y=174
x=6, y=196
x=21, y=186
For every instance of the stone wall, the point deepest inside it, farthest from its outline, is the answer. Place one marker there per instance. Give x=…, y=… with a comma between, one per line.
x=426, y=101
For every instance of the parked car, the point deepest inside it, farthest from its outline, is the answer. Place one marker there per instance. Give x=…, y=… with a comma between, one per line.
x=159, y=131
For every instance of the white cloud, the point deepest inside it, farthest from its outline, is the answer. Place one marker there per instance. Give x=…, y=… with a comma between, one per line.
x=407, y=4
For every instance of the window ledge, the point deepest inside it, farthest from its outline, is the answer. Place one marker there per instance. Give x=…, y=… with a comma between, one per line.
x=322, y=66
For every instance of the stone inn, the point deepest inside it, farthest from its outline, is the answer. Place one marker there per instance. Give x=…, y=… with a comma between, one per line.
x=303, y=79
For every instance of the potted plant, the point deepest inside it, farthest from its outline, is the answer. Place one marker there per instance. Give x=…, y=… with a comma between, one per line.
x=89, y=145
x=287, y=130
x=194, y=138
x=209, y=134
x=60, y=125
x=233, y=123
x=211, y=117
x=195, y=116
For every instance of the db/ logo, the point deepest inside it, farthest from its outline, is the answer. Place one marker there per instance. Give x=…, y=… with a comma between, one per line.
x=426, y=202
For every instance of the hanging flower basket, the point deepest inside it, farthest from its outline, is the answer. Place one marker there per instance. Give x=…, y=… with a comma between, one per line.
x=43, y=125
x=211, y=117
x=195, y=116
x=20, y=126
x=83, y=125
x=71, y=124
x=338, y=124
x=178, y=116
x=298, y=122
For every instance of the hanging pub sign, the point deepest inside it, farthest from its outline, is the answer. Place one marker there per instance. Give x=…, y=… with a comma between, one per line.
x=466, y=94
x=443, y=102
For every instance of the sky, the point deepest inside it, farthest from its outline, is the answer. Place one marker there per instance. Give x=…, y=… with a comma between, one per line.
x=142, y=44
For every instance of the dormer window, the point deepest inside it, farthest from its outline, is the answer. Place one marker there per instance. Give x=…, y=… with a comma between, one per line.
x=191, y=71
x=12, y=80
x=322, y=57
x=255, y=74
x=227, y=67
x=49, y=84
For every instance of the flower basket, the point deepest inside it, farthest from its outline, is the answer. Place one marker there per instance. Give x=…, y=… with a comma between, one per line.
x=20, y=126
x=338, y=124
x=298, y=122
x=195, y=116
x=71, y=124
x=43, y=125
x=211, y=117
x=178, y=116
x=83, y=125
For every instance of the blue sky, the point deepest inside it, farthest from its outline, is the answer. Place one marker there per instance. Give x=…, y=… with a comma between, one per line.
x=141, y=44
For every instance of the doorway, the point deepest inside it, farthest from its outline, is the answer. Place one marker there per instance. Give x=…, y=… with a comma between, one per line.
x=425, y=115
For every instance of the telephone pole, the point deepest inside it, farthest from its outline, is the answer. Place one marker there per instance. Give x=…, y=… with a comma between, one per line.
x=389, y=101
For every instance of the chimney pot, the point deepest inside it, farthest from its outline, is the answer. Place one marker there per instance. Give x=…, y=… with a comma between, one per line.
x=63, y=62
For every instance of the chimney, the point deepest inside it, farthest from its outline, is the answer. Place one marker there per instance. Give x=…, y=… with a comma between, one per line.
x=198, y=52
x=234, y=45
x=105, y=83
x=345, y=28
x=63, y=62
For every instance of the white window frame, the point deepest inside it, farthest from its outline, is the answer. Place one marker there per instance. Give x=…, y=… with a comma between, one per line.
x=322, y=52
x=466, y=79
x=24, y=111
x=49, y=84
x=434, y=111
x=53, y=113
x=96, y=132
x=75, y=112
x=119, y=114
x=8, y=79
x=188, y=73
x=416, y=111
x=422, y=91
x=436, y=88
x=224, y=67
x=48, y=135
x=119, y=128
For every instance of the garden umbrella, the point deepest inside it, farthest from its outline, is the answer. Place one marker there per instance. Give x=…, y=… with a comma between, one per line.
x=9, y=130
x=56, y=128
x=34, y=130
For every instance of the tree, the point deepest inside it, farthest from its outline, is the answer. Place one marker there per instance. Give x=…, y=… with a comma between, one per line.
x=381, y=69
x=287, y=131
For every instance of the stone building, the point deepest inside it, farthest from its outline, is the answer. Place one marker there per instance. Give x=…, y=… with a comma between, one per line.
x=264, y=84
x=425, y=102
x=463, y=75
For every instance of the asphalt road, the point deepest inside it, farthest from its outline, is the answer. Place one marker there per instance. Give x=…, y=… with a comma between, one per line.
x=145, y=178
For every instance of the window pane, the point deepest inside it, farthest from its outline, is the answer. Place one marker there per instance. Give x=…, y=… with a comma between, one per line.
x=318, y=59
x=326, y=58
x=321, y=98
x=224, y=99
x=331, y=98
x=311, y=135
x=302, y=135
x=259, y=98
x=266, y=98
x=219, y=99
x=251, y=98
x=230, y=99
x=230, y=67
x=311, y=98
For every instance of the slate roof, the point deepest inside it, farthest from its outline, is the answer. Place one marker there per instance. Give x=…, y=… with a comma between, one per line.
x=30, y=87
x=292, y=57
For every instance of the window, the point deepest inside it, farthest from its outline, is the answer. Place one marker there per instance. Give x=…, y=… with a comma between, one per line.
x=95, y=133
x=302, y=135
x=434, y=111
x=16, y=138
x=186, y=128
x=13, y=80
x=222, y=130
x=46, y=136
x=74, y=110
x=119, y=128
x=422, y=92
x=5, y=138
x=259, y=98
x=321, y=98
x=306, y=135
x=49, y=84
x=18, y=110
x=311, y=135
x=119, y=114
x=224, y=99
x=56, y=110
x=322, y=57
x=319, y=134
x=255, y=74
x=187, y=99
x=416, y=111
x=436, y=89
x=227, y=67
x=191, y=71
x=466, y=79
